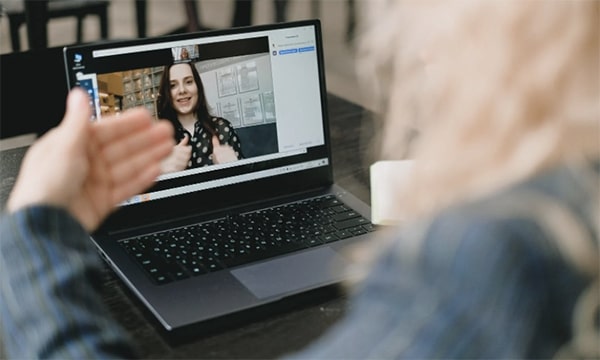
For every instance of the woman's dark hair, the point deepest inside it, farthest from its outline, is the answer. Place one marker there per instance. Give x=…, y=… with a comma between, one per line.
x=165, y=102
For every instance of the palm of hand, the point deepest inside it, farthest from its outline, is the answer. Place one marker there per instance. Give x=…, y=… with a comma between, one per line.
x=89, y=168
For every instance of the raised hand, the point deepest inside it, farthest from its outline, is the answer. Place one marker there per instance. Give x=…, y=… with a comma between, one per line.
x=222, y=153
x=179, y=158
x=88, y=168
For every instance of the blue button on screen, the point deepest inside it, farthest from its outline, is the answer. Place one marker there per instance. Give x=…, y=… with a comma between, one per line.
x=308, y=48
x=288, y=51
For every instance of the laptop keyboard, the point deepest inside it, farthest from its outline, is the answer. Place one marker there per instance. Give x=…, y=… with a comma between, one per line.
x=239, y=239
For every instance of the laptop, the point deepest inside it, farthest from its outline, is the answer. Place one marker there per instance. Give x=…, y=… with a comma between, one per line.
x=212, y=241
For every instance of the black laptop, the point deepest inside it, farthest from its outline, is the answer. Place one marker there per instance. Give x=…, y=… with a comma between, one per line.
x=213, y=241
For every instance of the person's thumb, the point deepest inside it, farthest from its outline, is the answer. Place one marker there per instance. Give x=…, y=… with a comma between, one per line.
x=78, y=112
x=185, y=140
x=215, y=142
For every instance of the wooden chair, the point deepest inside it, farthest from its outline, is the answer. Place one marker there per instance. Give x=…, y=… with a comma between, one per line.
x=37, y=13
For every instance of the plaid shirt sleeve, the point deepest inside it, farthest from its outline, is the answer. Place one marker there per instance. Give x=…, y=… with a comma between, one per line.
x=50, y=278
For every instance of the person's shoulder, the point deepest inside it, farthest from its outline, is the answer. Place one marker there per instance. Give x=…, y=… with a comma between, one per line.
x=224, y=128
x=520, y=223
x=572, y=186
x=569, y=187
x=524, y=214
x=220, y=122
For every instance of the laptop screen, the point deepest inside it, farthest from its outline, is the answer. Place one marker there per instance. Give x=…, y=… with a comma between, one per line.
x=263, y=93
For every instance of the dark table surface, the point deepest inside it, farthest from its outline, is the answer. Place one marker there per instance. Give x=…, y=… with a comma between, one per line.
x=269, y=332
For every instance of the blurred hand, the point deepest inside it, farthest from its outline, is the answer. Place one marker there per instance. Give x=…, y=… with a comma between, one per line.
x=88, y=168
x=179, y=158
x=222, y=153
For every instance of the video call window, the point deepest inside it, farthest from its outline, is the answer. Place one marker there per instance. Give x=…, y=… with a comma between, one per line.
x=237, y=89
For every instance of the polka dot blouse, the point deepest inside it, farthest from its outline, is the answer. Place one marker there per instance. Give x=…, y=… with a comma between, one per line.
x=201, y=141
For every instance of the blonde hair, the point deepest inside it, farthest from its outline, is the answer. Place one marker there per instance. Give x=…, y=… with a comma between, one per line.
x=485, y=94
x=482, y=93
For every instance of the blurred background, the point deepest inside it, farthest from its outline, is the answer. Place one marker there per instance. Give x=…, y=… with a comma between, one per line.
x=168, y=16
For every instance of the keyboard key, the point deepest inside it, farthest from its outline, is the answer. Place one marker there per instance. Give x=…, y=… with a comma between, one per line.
x=351, y=223
x=345, y=216
x=327, y=238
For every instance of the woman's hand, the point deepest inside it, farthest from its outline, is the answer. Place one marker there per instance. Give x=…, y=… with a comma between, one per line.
x=88, y=168
x=222, y=153
x=179, y=158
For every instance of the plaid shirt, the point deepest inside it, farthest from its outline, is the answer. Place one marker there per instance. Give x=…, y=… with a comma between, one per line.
x=50, y=277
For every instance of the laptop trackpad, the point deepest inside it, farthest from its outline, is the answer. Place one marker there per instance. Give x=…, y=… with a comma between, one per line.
x=290, y=273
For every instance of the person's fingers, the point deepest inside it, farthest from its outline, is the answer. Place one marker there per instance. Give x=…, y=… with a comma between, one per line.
x=180, y=152
x=139, y=141
x=128, y=177
x=128, y=122
x=182, y=163
x=142, y=180
x=185, y=151
x=222, y=152
x=78, y=110
x=127, y=169
x=181, y=157
x=99, y=166
x=76, y=121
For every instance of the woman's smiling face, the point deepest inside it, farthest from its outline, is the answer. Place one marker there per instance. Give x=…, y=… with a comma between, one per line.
x=184, y=90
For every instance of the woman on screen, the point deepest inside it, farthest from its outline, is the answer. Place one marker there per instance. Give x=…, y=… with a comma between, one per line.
x=202, y=139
